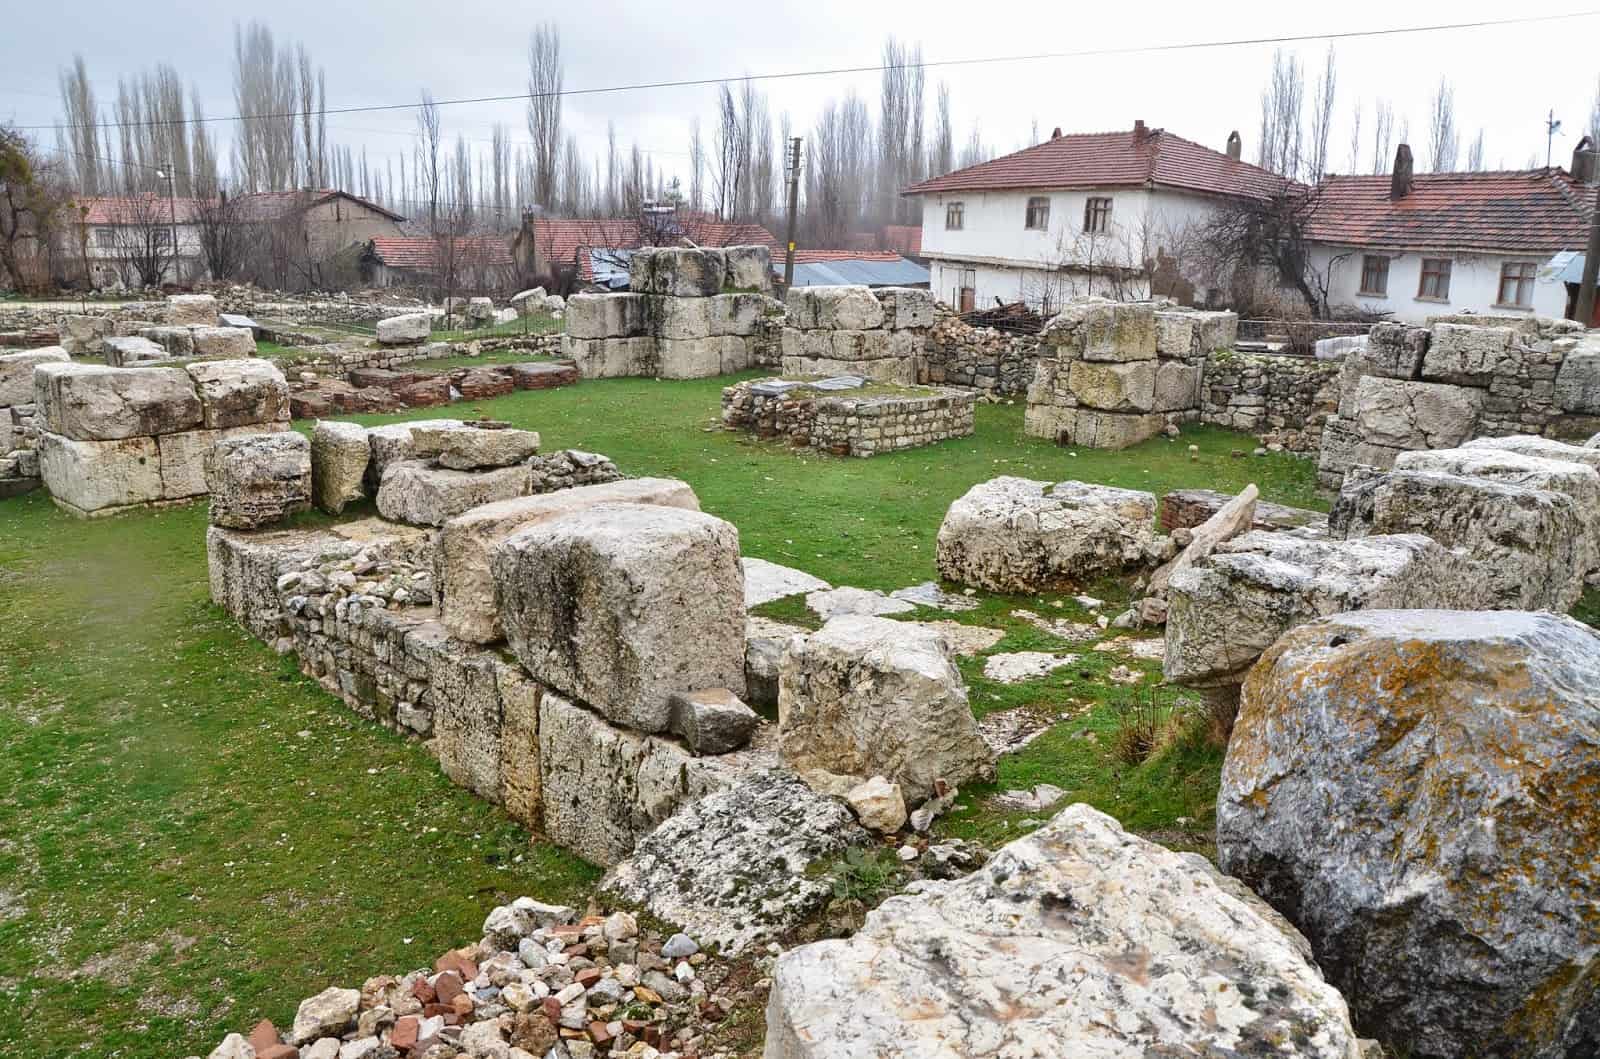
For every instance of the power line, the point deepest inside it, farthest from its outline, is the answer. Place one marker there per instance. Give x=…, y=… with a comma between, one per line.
x=1141, y=49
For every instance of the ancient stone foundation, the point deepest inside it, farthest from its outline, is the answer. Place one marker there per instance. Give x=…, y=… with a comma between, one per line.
x=863, y=420
x=877, y=334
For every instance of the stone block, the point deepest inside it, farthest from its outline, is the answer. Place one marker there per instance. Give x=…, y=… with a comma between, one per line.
x=711, y=720
x=190, y=310
x=1177, y=386
x=1104, y=330
x=339, y=456
x=619, y=605
x=868, y=696
x=900, y=372
x=764, y=643
x=236, y=393
x=407, y=329
x=1182, y=333
x=829, y=308
x=1415, y=415
x=92, y=403
x=183, y=457
x=463, y=576
x=543, y=375
x=528, y=302
x=1467, y=356
x=16, y=373
x=258, y=479
x=91, y=477
x=1095, y=429
x=905, y=307
x=607, y=315
x=1394, y=351
x=858, y=345
x=680, y=318
x=1544, y=448
x=612, y=358
x=678, y=272
x=1578, y=381
x=1114, y=387
x=224, y=342
x=396, y=442
x=421, y=494
x=177, y=341
x=127, y=351
x=521, y=786
x=467, y=719
x=736, y=314
x=700, y=358
x=749, y=269
x=472, y=446
x=81, y=335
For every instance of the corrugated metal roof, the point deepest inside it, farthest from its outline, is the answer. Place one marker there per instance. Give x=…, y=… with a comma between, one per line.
x=874, y=272
x=1566, y=267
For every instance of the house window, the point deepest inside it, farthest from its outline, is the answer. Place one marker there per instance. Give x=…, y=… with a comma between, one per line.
x=1375, y=275
x=1097, y=216
x=1516, y=284
x=1435, y=285
x=954, y=214
x=105, y=238
x=161, y=236
x=1038, y=213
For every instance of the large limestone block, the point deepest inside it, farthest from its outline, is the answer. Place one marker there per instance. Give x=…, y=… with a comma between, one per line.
x=1177, y=386
x=473, y=446
x=407, y=329
x=690, y=358
x=1104, y=330
x=764, y=643
x=1119, y=387
x=1544, y=448
x=192, y=310
x=1188, y=333
x=868, y=696
x=1077, y=940
x=1091, y=427
x=605, y=787
x=1415, y=415
x=400, y=441
x=739, y=867
x=339, y=456
x=1415, y=790
x=127, y=351
x=749, y=268
x=223, y=342
x=1467, y=356
x=177, y=341
x=621, y=604
x=236, y=393
x=183, y=457
x=463, y=578
x=94, y=476
x=92, y=403
x=258, y=479
x=680, y=317
x=1394, y=351
x=607, y=315
x=827, y=308
x=678, y=272
x=896, y=370
x=1232, y=605
x=467, y=720
x=1578, y=380
x=81, y=335
x=16, y=372
x=737, y=313
x=858, y=345
x=521, y=784
x=905, y=307
x=420, y=494
x=1017, y=535
x=612, y=358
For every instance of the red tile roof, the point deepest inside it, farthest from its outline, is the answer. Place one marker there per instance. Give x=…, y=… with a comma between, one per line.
x=137, y=209
x=1532, y=211
x=1133, y=158
x=423, y=253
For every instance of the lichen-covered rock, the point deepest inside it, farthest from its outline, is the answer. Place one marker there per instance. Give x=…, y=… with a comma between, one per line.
x=16, y=372
x=1098, y=329
x=474, y=447
x=339, y=456
x=1078, y=940
x=1467, y=356
x=236, y=393
x=1235, y=603
x=420, y=494
x=749, y=268
x=463, y=577
x=1415, y=790
x=905, y=307
x=738, y=867
x=619, y=605
x=258, y=479
x=867, y=696
x=1415, y=415
x=1114, y=387
x=237, y=342
x=191, y=310
x=1018, y=535
x=88, y=402
x=678, y=272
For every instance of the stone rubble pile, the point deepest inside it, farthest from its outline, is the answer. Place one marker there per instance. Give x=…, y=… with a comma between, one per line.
x=20, y=424
x=980, y=358
x=388, y=389
x=690, y=313
x=852, y=329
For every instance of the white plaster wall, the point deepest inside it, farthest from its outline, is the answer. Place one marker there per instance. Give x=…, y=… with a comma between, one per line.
x=1474, y=285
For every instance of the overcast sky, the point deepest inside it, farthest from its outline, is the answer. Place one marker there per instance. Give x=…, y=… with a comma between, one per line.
x=1506, y=78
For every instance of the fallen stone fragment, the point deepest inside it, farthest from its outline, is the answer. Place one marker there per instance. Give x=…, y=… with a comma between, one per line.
x=339, y=455
x=929, y=594
x=328, y=1013
x=1017, y=666
x=830, y=603
x=765, y=581
x=879, y=805
x=1233, y=518
x=258, y=479
x=712, y=720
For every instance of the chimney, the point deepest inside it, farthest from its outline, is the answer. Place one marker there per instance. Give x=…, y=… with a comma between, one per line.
x=1139, y=132
x=1400, y=182
x=1586, y=162
x=1055, y=133
x=1235, y=145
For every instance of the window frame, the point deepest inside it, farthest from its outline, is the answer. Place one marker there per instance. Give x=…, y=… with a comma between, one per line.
x=105, y=238
x=1424, y=272
x=161, y=238
x=1040, y=203
x=1528, y=272
x=1097, y=215
x=1374, y=263
x=958, y=210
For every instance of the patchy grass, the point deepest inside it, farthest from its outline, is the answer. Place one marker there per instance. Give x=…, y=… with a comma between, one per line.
x=537, y=324
x=193, y=836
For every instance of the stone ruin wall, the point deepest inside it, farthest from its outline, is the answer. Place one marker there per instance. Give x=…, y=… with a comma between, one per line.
x=981, y=358
x=1283, y=400
x=878, y=334
x=846, y=425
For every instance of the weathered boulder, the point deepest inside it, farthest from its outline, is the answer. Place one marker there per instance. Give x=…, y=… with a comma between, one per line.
x=92, y=403
x=1544, y=448
x=1078, y=940
x=177, y=341
x=737, y=868
x=1018, y=535
x=678, y=272
x=1235, y=603
x=878, y=804
x=866, y=696
x=749, y=268
x=16, y=372
x=528, y=302
x=711, y=720
x=339, y=455
x=223, y=341
x=420, y=494
x=236, y=393
x=126, y=351
x=258, y=479
x=328, y=1014
x=479, y=312
x=1415, y=790
x=183, y=456
x=94, y=476
x=408, y=329
x=192, y=310
x=619, y=605
x=463, y=577
x=472, y=446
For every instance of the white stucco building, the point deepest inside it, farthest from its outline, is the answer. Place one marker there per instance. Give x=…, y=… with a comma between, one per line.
x=1076, y=214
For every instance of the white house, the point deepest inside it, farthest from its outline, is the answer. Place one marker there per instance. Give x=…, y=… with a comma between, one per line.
x=1415, y=246
x=1076, y=214
x=124, y=240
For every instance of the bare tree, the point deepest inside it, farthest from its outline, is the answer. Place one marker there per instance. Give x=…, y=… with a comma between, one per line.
x=224, y=237
x=697, y=165
x=900, y=124
x=1247, y=234
x=1382, y=136
x=974, y=151
x=544, y=108
x=1444, y=142
x=499, y=163
x=30, y=198
x=1281, y=136
x=266, y=97
x=428, y=158
x=145, y=238
x=941, y=157
x=1355, y=138
x=730, y=161
x=839, y=180
x=82, y=133
x=1475, y=154
x=1322, y=118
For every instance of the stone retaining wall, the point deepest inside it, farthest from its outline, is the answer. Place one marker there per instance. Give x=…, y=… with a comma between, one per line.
x=850, y=424
x=991, y=361
x=877, y=334
x=1283, y=400
x=338, y=358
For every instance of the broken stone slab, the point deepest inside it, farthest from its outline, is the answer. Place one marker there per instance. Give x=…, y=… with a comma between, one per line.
x=835, y=383
x=339, y=456
x=1415, y=415
x=1018, y=535
x=183, y=457
x=127, y=351
x=1545, y=448
x=472, y=446
x=191, y=310
x=849, y=307
x=678, y=272
x=1091, y=427
x=976, y=966
x=462, y=561
x=93, y=477
x=236, y=393
x=765, y=581
x=964, y=640
x=407, y=329
x=878, y=804
x=1233, y=518
x=258, y=479
x=869, y=696
x=764, y=642
x=1017, y=666
x=739, y=867
x=929, y=594
x=87, y=402
x=420, y=494
x=1448, y=760
x=1468, y=356
x=177, y=341
x=711, y=720
x=16, y=373
x=227, y=342
x=905, y=307
x=1231, y=606
x=619, y=605
x=832, y=602
x=399, y=441
x=82, y=335
x=237, y=320
x=543, y=375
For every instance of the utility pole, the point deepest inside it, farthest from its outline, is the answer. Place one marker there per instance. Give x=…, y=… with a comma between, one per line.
x=1552, y=125
x=1591, y=264
x=794, y=210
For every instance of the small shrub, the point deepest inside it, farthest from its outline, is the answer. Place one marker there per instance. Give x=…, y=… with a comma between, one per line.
x=1144, y=723
x=863, y=875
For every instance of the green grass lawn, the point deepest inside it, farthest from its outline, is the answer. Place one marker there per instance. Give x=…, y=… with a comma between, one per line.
x=193, y=835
